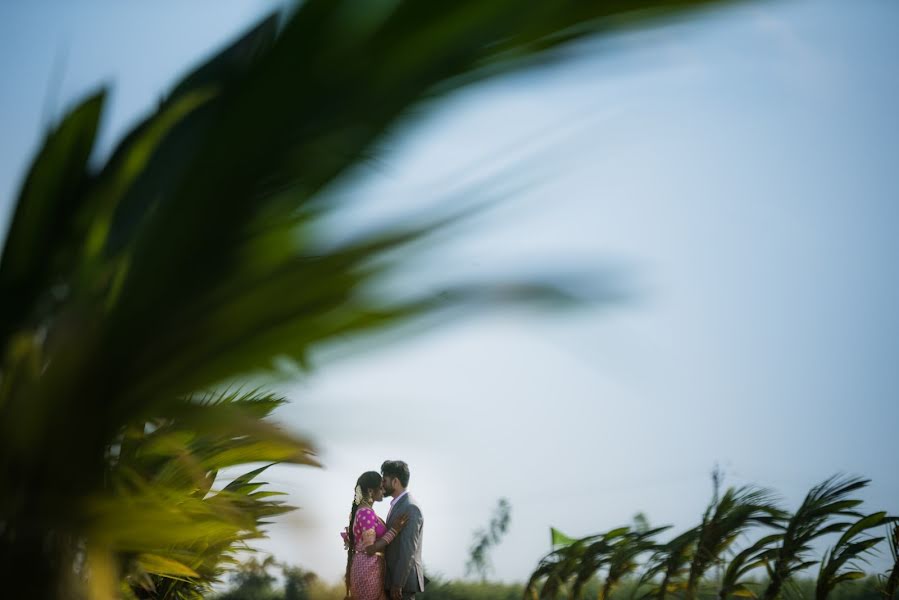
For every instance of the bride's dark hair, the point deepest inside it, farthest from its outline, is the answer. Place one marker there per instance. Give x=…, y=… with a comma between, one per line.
x=367, y=482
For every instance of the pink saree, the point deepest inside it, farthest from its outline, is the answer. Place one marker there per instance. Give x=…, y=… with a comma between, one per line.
x=367, y=572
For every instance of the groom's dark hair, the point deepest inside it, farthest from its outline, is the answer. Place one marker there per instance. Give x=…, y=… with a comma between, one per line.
x=398, y=469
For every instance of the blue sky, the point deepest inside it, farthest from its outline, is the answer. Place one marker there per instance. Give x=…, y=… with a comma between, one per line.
x=739, y=168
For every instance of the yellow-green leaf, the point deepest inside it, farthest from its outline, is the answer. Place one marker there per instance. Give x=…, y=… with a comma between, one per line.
x=160, y=565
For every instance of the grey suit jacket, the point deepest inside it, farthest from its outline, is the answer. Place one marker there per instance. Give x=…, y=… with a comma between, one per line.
x=403, y=555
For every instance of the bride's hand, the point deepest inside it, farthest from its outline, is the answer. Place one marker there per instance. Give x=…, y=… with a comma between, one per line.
x=398, y=525
x=400, y=522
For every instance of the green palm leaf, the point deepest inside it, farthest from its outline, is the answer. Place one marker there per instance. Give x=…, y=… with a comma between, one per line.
x=671, y=561
x=596, y=554
x=736, y=511
x=823, y=502
x=194, y=256
x=890, y=580
x=743, y=562
x=846, y=551
x=623, y=558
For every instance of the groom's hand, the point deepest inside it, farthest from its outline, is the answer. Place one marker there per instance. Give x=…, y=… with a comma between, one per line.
x=396, y=593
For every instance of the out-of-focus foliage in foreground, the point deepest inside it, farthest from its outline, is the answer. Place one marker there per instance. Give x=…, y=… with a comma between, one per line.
x=131, y=288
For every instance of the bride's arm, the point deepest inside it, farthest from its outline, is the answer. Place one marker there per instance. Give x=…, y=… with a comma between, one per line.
x=368, y=538
x=367, y=520
x=381, y=543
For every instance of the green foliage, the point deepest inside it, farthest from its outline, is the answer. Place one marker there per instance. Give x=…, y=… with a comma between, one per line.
x=811, y=521
x=297, y=583
x=484, y=540
x=889, y=581
x=723, y=522
x=679, y=566
x=840, y=562
x=165, y=513
x=733, y=581
x=194, y=255
x=465, y=590
x=616, y=551
x=865, y=589
x=554, y=570
x=252, y=581
x=671, y=560
x=622, y=559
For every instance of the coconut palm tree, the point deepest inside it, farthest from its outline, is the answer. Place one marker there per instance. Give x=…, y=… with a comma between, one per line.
x=891, y=579
x=164, y=479
x=723, y=522
x=748, y=559
x=554, y=570
x=252, y=580
x=823, y=502
x=195, y=254
x=622, y=560
x=671, y=561
x=848, y=549
x=594, y=556
x=617, y=550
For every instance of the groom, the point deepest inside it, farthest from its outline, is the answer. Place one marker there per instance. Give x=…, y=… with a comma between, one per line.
x=405, y=575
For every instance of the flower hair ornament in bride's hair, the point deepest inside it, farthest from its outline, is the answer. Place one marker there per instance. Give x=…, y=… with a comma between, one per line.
x=357, y=499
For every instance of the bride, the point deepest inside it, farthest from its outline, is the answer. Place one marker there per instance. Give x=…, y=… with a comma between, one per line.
x=365, y=540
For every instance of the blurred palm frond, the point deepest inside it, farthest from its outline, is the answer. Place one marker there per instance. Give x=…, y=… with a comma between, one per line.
x=193, y=255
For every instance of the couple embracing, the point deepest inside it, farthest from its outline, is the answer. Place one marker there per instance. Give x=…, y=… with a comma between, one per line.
x=384, y=559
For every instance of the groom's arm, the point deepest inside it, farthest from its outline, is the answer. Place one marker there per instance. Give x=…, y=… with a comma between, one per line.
x=407, y=540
